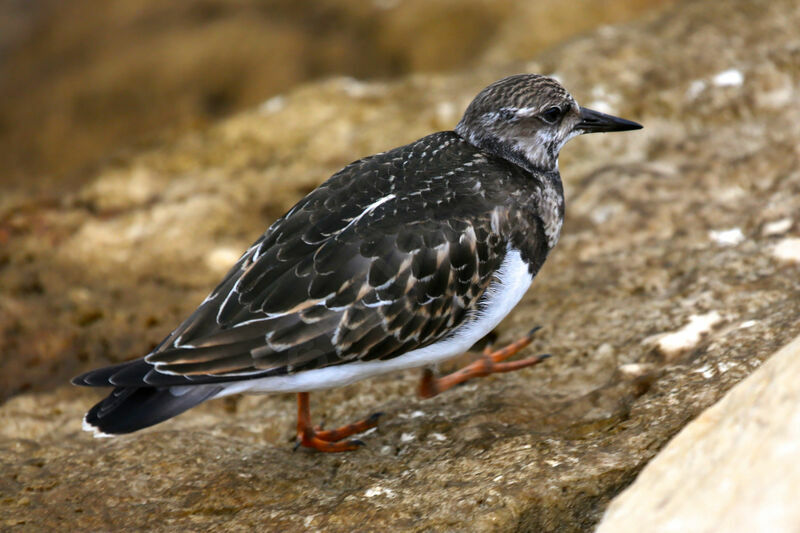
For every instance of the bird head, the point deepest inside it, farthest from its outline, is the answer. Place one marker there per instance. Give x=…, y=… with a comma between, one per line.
x=528, y=118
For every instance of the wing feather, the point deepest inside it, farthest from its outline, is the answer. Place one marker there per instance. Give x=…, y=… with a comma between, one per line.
x=354, y=271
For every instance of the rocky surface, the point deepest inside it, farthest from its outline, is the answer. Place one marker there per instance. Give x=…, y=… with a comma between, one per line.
x=90, y=81
x=733, y=468
x=674, y=280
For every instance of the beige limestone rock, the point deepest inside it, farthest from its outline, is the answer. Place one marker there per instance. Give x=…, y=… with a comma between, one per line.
x=733, y=469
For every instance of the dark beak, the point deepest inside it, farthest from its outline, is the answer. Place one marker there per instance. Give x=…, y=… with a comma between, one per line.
x=594, y=121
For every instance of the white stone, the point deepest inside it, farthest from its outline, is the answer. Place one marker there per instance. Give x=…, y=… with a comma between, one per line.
x=407, y=437
x=788, y=250
x=728, y=78
x=689, y=335
x=706, y=371
x=733, y=469
x=634, y=370
x=777, y=227
x=377, y=490
x=727, y=237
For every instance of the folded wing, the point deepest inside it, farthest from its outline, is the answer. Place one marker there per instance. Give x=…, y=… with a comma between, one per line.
x=333, y=281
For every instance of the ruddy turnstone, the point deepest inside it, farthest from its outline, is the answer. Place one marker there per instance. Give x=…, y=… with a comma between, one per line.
x=400, y=260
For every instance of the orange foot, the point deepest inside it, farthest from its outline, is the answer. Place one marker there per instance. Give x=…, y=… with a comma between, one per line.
x=489, y=363
x=329, y=440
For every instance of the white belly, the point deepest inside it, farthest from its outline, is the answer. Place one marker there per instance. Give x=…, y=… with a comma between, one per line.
x=511, y=282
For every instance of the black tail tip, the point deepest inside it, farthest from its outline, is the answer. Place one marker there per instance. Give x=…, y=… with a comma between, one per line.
x=129, y=409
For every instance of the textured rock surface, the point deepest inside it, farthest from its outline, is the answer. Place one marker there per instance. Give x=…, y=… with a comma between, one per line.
x=734, y=468
x=680, y=220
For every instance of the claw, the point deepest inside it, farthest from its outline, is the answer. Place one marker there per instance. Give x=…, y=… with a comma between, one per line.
x=533, y=331
x=331, y=440
x=490, y=363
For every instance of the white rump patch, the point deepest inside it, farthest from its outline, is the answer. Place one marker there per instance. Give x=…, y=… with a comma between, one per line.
x=94, y=429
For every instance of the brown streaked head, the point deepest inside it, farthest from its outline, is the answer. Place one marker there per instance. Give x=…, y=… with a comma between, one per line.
x=527, y=119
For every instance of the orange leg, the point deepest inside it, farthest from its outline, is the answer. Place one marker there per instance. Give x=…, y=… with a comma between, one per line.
x=490, y=363
x=328, y=440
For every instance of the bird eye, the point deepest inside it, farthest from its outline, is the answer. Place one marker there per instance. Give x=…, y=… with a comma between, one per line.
x=551, y=115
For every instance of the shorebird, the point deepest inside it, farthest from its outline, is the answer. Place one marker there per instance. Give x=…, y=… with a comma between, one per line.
x=402, y=259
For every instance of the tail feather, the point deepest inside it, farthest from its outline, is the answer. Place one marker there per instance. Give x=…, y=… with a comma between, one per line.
x=129, y=409
x=100, y=377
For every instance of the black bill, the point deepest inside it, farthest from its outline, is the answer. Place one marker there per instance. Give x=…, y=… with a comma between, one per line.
x=594, y=121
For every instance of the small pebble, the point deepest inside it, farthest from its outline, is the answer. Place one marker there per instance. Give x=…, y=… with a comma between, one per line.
x=788, y=250
x=777, y=227
x=689, y=335
x=728, y=78
x=407, y=437
x=379, y=491
x=727, y=237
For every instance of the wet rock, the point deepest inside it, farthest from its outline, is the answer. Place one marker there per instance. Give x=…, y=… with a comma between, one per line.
x=731, y=469
x=102, y=275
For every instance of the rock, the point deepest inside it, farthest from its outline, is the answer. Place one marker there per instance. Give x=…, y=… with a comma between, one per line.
x=101, y=275
x=88, y=81
x=689, y=336
x=731, y=469
x=788, y=250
